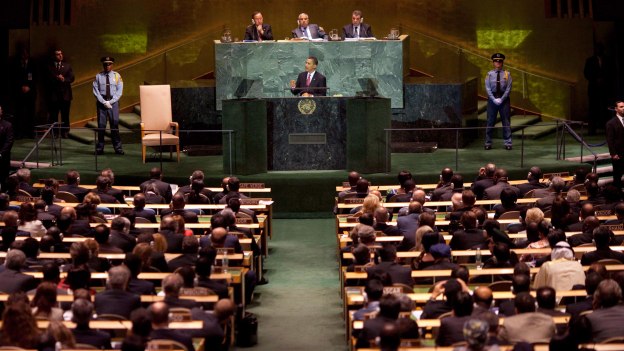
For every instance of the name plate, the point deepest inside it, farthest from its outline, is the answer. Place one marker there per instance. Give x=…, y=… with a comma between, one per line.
x=614, y=227
x=251, y=185
x=352, y=219
x=307, y=139
x=604, y=212
x=249, y=201
x=392, y=290
x=346, y=185
x=355, y=200
x=244, y=220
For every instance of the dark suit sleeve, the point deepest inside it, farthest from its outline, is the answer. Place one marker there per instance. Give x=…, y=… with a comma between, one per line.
x=248, y=33
x=346, y=33
x=268, y=33
x=294, y=33
x=8, y=139
x=322, y=84
x=69, y=75
x=369, y=31
x=611, y=138
x=322, y=33
x=300, y=82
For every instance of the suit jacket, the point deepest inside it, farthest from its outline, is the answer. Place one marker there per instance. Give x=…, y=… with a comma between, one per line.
x=6, y=144
x=451, y=330
x=315, y=32
x=575, y=309
x=467, y=239
x=171, y=334
x=493, y=192
x=601, y=254
x=231, y=241
x=366, y=31
x=124, y=241
x=80, y=227
x=408, y=224
x=531, y=327
x=107, y=197
x=445, y=190
x=389, y=230
x=54, y=210
x=60, y=91
x=531, y=185
x=479, y=186
x=615, y=136
x=217, y=286
x=251, y=33
x=77, y=190
x=371, y=330
x=86, y=335
x=178, y=302
x=146, y=213
x=181, y=261
x=606, y=322
x=174, y=241
x=189, y=216
x=116, y=302
x=13, y=281
x=316, y=88
x=398, y=273
x=164, y=189
x=141, y=287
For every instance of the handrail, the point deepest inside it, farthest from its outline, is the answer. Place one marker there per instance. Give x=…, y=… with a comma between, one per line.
x=464, y=49
x=566, y=127
x=49, y=130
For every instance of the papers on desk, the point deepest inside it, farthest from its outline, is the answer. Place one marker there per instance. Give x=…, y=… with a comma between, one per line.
x=360, y=39
x=265, y=202
x=316, y=39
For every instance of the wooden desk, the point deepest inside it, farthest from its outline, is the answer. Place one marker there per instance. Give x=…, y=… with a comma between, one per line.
x=122, y=325
x=432, y=185
x=144, y=298
x=434, y=323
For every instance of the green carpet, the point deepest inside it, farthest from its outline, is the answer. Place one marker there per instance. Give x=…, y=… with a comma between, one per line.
x=300, y=308
x=306, y=193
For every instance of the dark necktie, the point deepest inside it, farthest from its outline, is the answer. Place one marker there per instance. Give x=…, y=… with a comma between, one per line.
x=108, y=95
x=356, y=34
x=309, y=80
x=58, y=66
x=499, y=92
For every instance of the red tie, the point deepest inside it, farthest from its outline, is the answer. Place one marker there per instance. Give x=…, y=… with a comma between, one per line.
x=308, y=80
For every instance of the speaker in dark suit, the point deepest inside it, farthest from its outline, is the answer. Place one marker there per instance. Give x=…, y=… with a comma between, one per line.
x=60, y=77
x=310, y=82
x=615, y=140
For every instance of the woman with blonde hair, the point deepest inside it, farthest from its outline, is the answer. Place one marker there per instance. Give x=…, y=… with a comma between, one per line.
x=371, y=203
x=93, y=201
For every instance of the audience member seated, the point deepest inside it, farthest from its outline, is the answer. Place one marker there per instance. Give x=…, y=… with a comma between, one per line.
x=103, y=190
x=96, y=263
x=196, y=196
x=198, y=175
x=163, y=188
x=190, y=247
x=585, y=211
x=501, y=179
x=82, y=311
x=562, y=272
x=534, y=177
x=592, y=279
x=602, y=238
x=401, y=177
x=527, y=325
x=483, y=298
x=470, y=237
x=374, y=291
x=212, y=331
x=151, y=249
x=233, y=187
x=72, y=185
x=444, y=187
x=415, y=242
x=587, y=235
x=11, y=278
x=561, y=214
x=120, y=234
x=219, y=238
x=203, y=269
x=406, y=193
x=44, y=303
x=177, y=207
x=159, y=315
x=370, y=204
x=28, y=221
x=399, y=274
x=508, y=203
x=420, y=196
x=135, y=285
x=115, y=299
x=93, y=201
x=118, y=194
x=408, y=224
x=23, y=178
x=478, y=336
x=436, y=306
x=102, y=237
x=389, y=308
x=606, y=320
x=139, y=208
x=484, y=180
x=381, y=217
x=352, y=178
x=451, y=328
x=594, y=195
x=30, y=248
x=520, y=282
x=19, y=328
x=547, y=196
x=171, y=286
x=80, y=219
x=542, y=228
x=441, y=254
x=4, y=203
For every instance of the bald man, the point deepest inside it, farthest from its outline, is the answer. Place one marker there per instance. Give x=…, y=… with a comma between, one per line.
x=139, y=208
x=159, y=315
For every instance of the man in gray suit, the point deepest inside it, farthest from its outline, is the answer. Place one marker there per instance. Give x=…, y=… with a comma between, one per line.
x=11, y=279
x=305, y=30
x=527, y=325
x=357, y=28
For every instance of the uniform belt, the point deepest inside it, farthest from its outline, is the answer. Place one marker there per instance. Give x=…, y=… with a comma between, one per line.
x=498, y=95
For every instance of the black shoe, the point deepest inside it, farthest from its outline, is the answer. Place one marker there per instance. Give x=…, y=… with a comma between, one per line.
x=488, y=147
x=507, y=147
x=263, y=281
x=99, y=152
x=120, y=152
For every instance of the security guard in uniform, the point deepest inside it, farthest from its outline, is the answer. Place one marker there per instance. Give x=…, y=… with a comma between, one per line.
x=498, y=87
x=107, y=88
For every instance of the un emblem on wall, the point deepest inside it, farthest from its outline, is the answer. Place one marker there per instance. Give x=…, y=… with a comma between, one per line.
x=306, y=106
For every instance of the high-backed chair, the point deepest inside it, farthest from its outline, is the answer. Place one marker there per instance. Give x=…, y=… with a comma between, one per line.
x=157, y=126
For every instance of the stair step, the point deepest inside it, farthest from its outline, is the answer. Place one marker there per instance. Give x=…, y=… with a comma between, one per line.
x=137, y=109
x=516, y=123
x=589, y=158
x=481, y=106
x=537, y=130
x=128, y=136
x=130, y=120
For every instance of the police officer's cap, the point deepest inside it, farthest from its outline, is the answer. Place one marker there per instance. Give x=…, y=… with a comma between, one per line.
x=498, y=57
x=107, y=59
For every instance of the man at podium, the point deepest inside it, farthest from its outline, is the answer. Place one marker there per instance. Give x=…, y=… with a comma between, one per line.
x=310, y=82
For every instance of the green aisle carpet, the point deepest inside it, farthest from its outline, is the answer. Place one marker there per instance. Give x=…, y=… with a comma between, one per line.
x=300, y=308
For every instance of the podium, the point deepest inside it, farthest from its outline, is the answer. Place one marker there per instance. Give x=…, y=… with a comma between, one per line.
x=319, y=133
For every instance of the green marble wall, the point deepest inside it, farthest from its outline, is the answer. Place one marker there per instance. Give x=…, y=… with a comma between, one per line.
x=271, y=66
